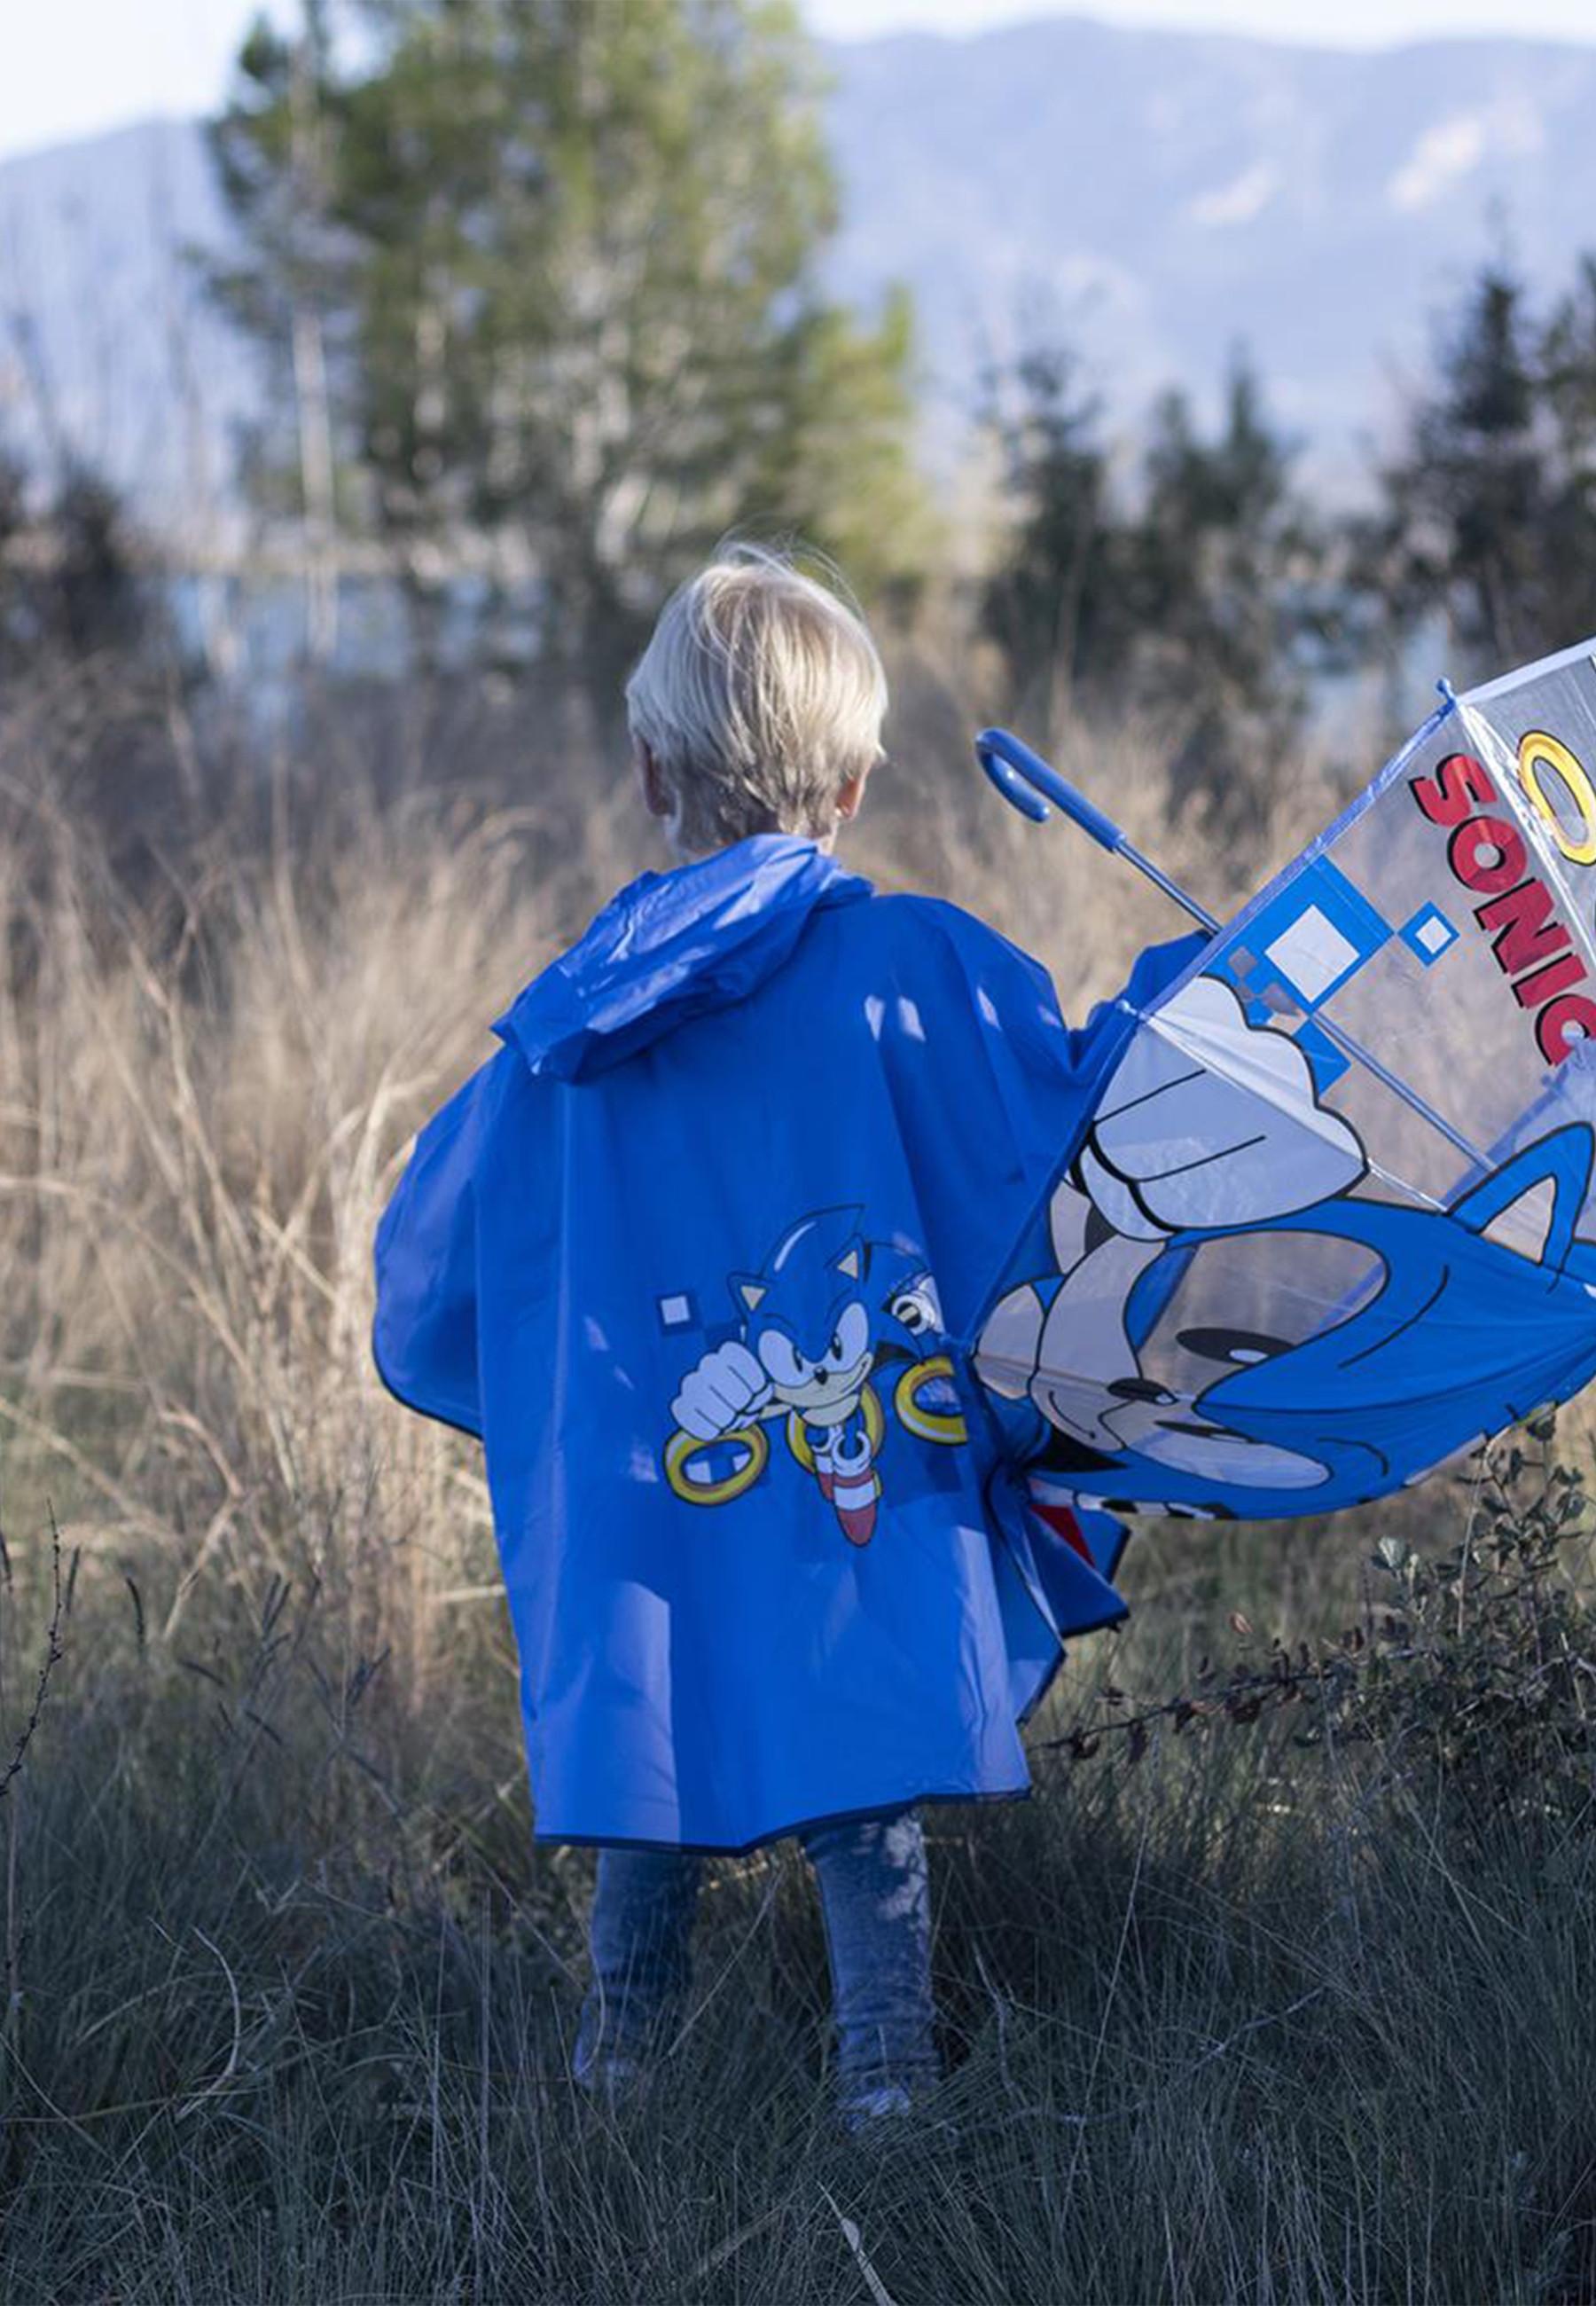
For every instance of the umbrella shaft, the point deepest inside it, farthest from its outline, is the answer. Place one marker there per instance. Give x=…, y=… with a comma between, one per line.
x=1343, y=1041
x=1398, y=1089
x=1172, y=889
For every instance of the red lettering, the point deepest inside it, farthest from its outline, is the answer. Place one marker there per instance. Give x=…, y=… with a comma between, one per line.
x=1461, y=782
x=1530, y=940
x=1557, y=976
x=1562, y=1024
x=1522, y=929
x=1486, y=853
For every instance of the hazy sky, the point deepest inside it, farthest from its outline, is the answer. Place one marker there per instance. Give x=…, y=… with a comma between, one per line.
x=69, y=67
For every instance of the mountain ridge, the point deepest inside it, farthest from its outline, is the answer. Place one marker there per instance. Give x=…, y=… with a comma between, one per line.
x=1155, y=197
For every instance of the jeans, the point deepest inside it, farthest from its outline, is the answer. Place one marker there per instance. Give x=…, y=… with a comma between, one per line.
x=875, y=1898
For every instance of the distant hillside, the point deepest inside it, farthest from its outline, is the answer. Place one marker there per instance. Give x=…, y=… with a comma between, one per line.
x=1155, y=196
x=1161, y=196
x=107, y=346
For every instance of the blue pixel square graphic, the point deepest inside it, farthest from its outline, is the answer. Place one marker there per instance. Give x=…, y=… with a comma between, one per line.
x=1429, y=935
x=1305, y=945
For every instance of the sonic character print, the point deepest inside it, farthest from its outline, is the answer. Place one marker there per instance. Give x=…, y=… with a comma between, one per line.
x=1181, y=1165
x=818, y=1331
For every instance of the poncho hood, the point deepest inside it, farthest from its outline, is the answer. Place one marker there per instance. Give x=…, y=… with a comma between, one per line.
x=672, y=946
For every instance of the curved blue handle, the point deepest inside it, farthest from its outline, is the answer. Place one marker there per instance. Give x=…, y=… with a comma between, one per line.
x=1013, y=786
x=1023, y=778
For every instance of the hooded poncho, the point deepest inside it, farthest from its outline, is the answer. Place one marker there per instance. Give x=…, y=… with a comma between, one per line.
x=699, y=1254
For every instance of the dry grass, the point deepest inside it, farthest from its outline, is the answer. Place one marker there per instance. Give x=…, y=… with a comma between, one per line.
x=212, y=1064
x=288, y=1993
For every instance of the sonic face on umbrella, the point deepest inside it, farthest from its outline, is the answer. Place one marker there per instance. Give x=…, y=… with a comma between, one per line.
x=1140, y=1354
x=1444, y=1337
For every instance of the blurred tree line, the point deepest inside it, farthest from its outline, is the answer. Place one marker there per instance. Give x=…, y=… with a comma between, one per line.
x=1197, y=588
x=68, y=584
x=1488, y=515
x=1204, y=587
x=542, y=274
x=540, y=287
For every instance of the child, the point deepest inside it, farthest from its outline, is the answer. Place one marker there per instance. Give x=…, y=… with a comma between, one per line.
x=697, y=1254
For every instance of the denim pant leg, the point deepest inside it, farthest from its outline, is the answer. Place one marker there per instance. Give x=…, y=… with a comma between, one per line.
x=641, y=1937
x=876, y=1894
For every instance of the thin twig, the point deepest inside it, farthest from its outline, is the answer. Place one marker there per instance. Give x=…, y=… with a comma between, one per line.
x=54, y=1653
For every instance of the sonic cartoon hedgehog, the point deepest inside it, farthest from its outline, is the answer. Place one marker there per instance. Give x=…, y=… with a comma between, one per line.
x=811, y=1332
x=1439, y=1339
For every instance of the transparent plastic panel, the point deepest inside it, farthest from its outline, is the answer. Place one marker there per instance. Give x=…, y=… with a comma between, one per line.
x=1332, y=1219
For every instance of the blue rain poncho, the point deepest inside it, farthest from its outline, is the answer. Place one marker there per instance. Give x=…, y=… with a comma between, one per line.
x=699, y=1254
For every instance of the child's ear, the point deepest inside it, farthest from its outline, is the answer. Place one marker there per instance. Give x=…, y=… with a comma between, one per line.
x=657, y=795
x=851, y=797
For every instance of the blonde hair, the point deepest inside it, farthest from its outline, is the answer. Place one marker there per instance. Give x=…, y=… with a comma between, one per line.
x=760, y=696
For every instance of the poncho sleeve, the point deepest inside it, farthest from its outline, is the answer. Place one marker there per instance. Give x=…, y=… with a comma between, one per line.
x=424, y=1336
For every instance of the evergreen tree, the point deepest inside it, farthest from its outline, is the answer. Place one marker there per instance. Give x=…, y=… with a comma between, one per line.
x=1466, y=504
x=1228, y=584
x=1196, y=594
x=1488, y=514
x=563, y=260
x=69, y=581
x=289, y=288
x=1567, y=372
x=1566, y=379
x=1060, y=602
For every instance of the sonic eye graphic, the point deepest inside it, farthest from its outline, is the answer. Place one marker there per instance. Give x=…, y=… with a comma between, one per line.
x=852, y=1336
x=1241, y=1348
x=783, y=1361
x=1142, y=1388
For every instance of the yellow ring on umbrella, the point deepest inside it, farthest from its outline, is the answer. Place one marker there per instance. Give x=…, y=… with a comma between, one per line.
x=683, y=1447
x=927, y=1424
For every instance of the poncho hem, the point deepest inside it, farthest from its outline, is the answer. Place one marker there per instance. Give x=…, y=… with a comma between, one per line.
x=778, y=1832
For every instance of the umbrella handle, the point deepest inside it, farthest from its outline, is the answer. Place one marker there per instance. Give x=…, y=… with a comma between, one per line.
x=1028, y=783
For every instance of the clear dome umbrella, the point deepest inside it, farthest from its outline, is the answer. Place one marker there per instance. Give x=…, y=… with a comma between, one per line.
x=1330, y=1225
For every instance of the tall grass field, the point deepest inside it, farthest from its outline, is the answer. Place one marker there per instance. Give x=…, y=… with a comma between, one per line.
x=1282, y=1987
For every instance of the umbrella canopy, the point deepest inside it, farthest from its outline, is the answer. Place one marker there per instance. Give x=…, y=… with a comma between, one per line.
x=1330, y=1222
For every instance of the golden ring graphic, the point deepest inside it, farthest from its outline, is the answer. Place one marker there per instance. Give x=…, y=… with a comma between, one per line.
x=927, y=1424
x=683, y=1447
x=875, y=1426
x=1538, y=752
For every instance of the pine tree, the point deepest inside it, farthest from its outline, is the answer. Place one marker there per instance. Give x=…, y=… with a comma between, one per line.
x=1195, y=594
x=1466, y=503
x=272, y=153
x=1227, y=582
x=70, y=584
x=1566, y=379
x=1060, y=602
x=564, y=256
